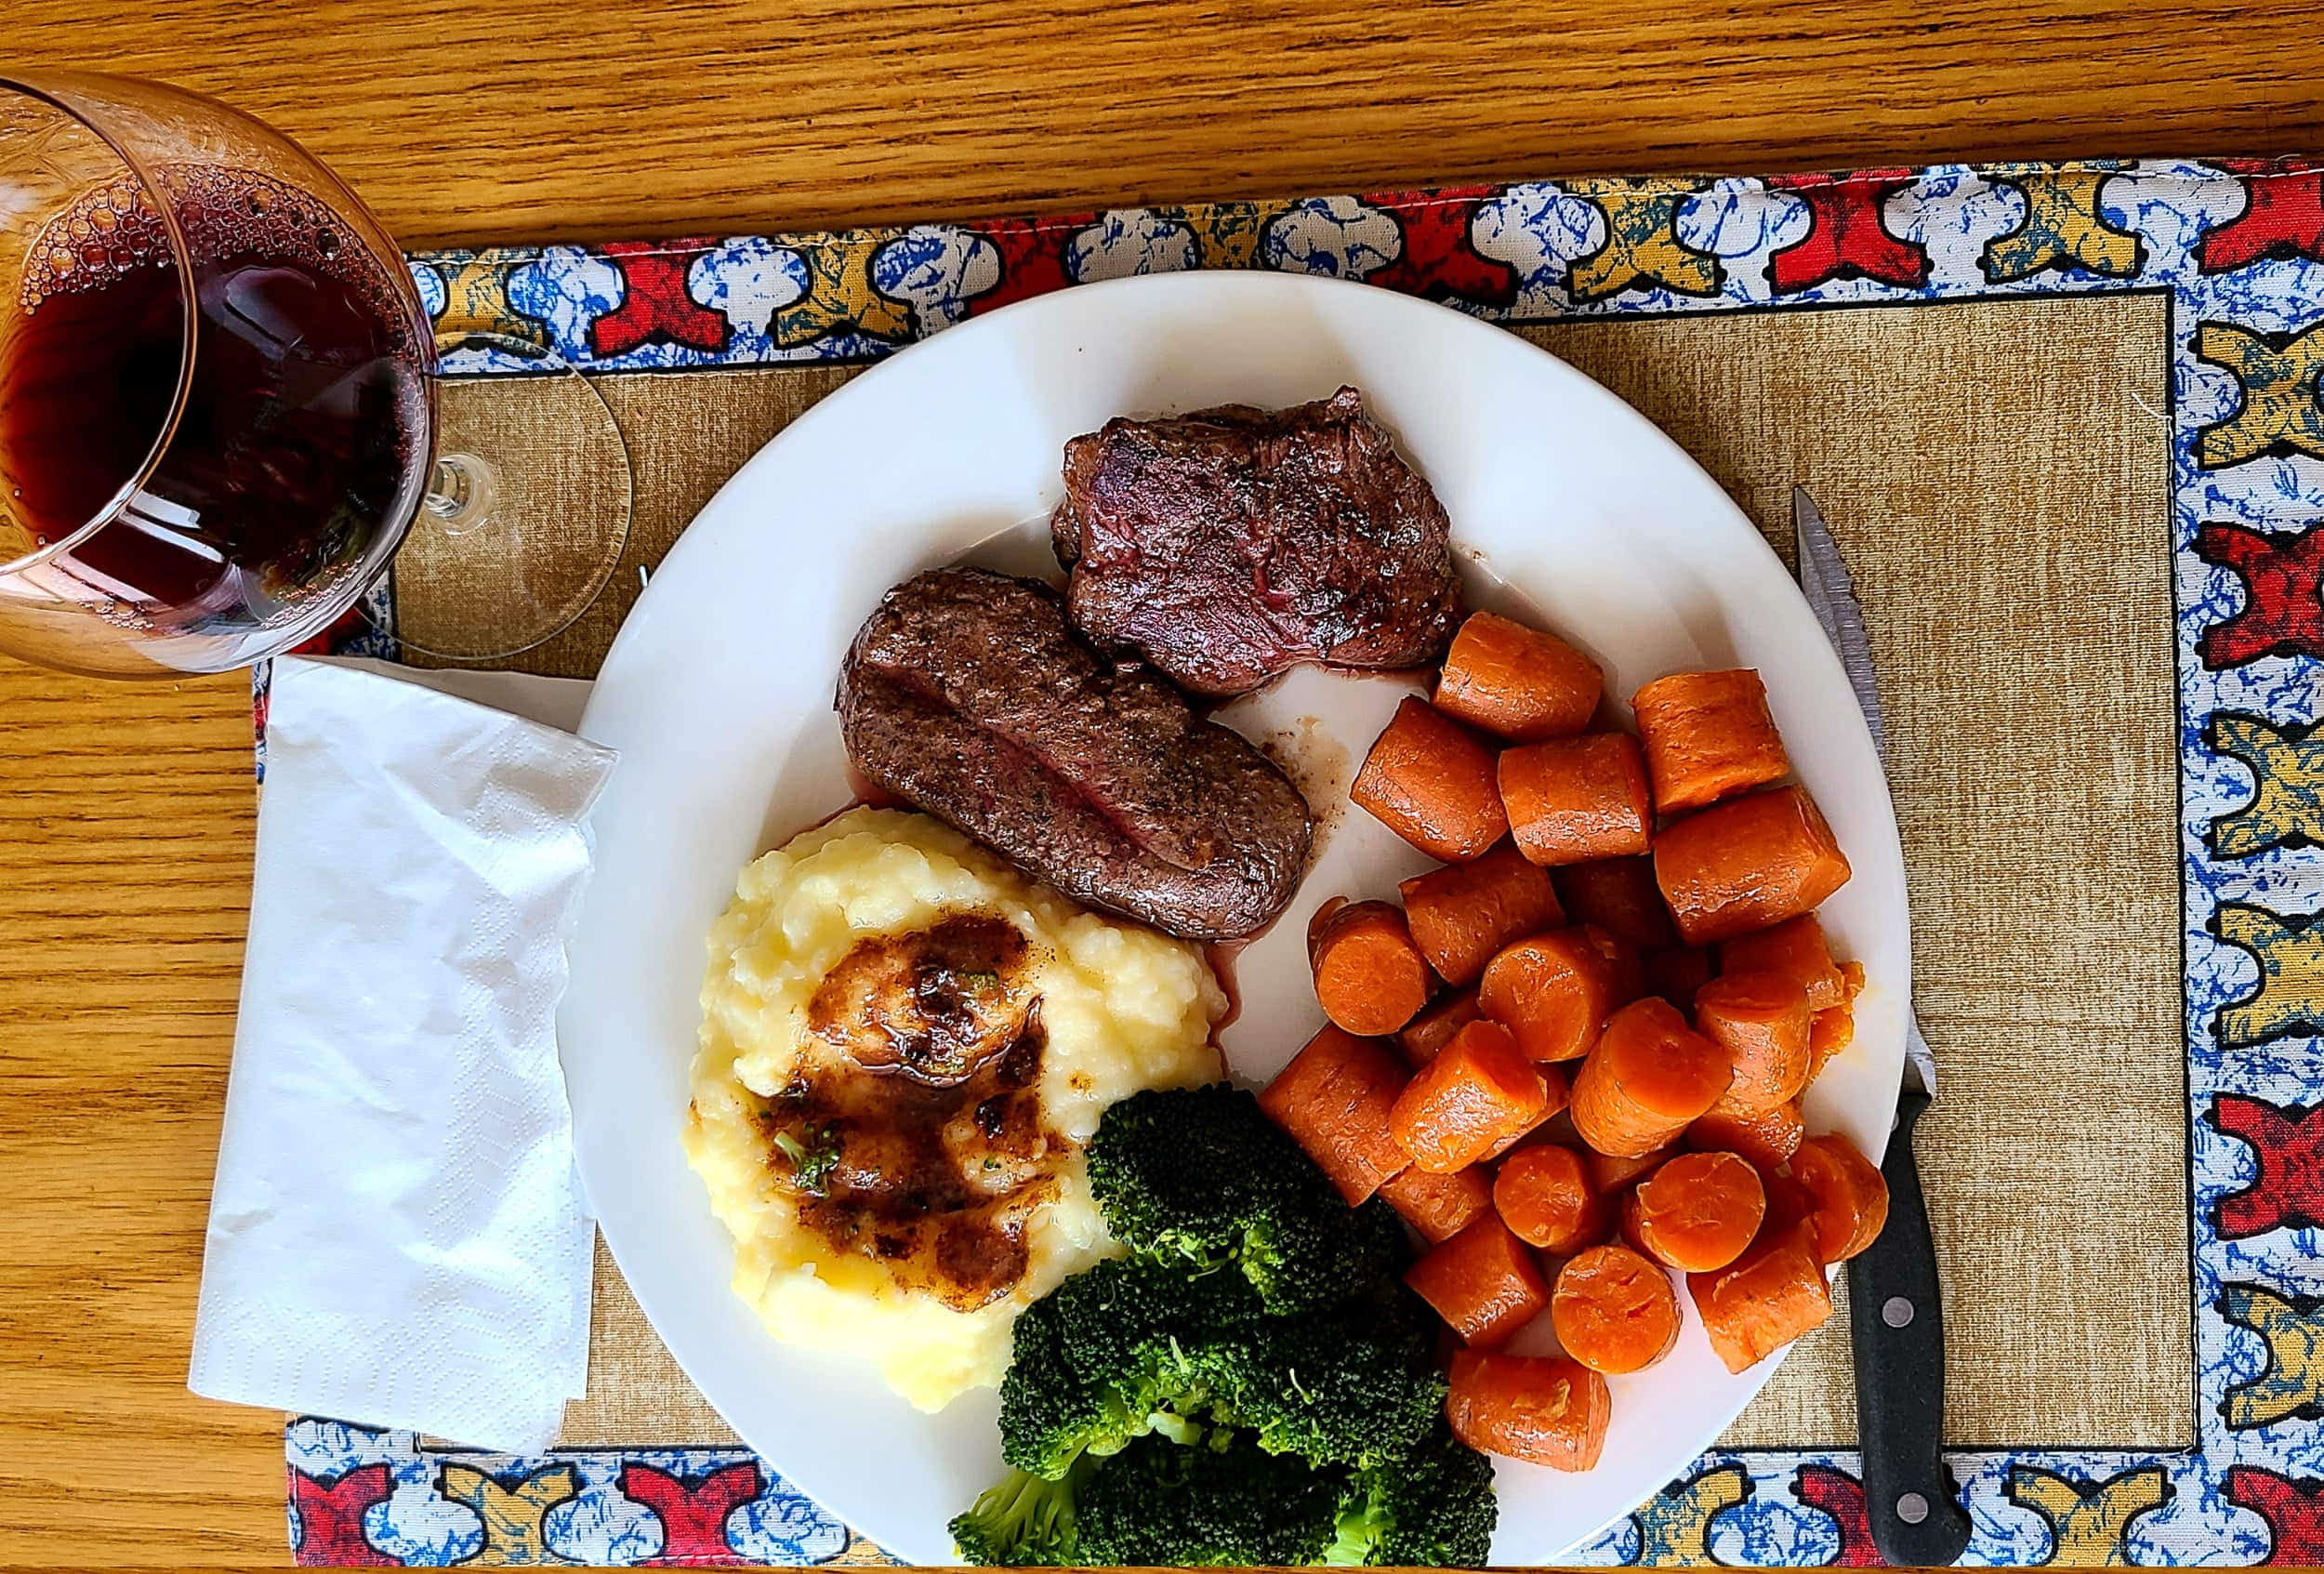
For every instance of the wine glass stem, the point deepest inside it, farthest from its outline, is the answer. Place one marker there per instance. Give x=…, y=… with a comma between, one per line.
x=461, y=492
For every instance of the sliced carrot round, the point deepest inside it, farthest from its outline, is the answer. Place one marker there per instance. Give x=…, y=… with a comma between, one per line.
x=1647, y=1078
x=1762, y=1020
x=1463, y=913
x=1850, y=1195
x=1699, y=1211
x=1547, y=1410
x=1767, y=1139
x=1515, y=681
x=1370, y=978
x=1614, y=1311
x=1553, y=991
x=1545, y=1198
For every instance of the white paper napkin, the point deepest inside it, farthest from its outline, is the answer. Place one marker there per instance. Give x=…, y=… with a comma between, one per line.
x=397, y=1232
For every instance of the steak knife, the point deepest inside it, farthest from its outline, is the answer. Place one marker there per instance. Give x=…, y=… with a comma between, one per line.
x=1897, y=1325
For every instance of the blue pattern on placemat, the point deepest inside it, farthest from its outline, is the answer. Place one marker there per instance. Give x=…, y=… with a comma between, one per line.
x=1593, y=248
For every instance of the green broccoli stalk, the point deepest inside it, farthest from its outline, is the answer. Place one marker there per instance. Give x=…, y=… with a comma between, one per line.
x=1200, y=1177
x=1023, y=1523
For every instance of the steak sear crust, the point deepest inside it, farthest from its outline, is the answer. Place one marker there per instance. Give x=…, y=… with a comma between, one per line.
x=1229, y=546
x=966, y=695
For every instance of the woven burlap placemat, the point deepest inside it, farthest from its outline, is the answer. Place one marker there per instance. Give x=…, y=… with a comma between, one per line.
x=1996, y=473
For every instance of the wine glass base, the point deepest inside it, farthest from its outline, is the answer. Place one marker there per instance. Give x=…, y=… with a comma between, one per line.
x=526, y=521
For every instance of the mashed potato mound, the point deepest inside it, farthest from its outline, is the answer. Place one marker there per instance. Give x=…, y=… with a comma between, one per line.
x=1122, y=1008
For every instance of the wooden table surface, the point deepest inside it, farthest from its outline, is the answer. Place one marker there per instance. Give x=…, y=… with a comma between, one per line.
x=125, y=812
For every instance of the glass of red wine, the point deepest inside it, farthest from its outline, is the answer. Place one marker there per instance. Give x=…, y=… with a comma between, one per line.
x=219, y=420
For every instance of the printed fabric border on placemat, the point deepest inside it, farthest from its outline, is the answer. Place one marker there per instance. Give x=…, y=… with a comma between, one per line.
x=2238, y=246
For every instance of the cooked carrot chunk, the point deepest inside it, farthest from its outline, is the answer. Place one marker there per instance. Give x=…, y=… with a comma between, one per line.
x=1762, y=1020
x=1429, y=780
x=1463, y=913
x=1433, y=1029
x=1648, y=1076
x=1474, y=1100
x=1370, y=978
x=1619, y=896
x=1796, y=948
x=1707, y=735
x=1517, y=682
x=1614, y=1311
x=1850, y=1196
x=1439, y=1207
x=1767, y=1139
x=1484, y=1282
x=1765, y=1299
x=1544, y=1196
x=1699, y=1211
x=1544, y=1410
x=1747, y=865
x=1334, y=1099
x=1573, y=799
x=1553, y=991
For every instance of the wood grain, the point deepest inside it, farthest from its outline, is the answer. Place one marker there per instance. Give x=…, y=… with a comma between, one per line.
x=125, y=812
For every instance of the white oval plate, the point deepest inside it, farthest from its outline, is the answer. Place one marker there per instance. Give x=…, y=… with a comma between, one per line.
x=717, y=693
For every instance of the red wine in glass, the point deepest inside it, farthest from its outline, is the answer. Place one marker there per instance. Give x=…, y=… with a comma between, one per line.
x=219, y=413
x=302, y=438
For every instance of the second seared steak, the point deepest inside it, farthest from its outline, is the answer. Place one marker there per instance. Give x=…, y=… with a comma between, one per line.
x=966, y=695
x=1231, y=544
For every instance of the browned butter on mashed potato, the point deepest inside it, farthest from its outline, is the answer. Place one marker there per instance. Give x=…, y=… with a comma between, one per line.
x=905, y=1046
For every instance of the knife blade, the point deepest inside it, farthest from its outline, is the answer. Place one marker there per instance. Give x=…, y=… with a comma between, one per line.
x=1894, y=1305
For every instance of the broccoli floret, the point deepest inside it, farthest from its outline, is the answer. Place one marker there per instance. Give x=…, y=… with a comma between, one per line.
x=1432, y=1508
x=1132, y=1347
x=1023, y=1523
x=1102, y=1359
x=1357, y=1386
x=1160, y=1504
x=1201, y=1177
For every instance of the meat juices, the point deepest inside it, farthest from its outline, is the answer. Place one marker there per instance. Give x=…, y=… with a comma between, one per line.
x=1231, y=545
x=967, y=696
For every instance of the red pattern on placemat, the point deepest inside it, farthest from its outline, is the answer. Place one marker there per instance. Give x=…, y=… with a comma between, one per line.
x=2294, y=1510
x=331, y=1518
x=2283, y=610
x=2283, y=216
x=1033, y=256
x=1842, y=1495
x=2288, y=1193
x=656, y=303
x=692, y=1516
x=1439, y=259
x=1846, y=235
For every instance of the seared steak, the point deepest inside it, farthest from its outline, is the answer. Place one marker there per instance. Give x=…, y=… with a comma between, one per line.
x=1231, y=544
x=965, y=695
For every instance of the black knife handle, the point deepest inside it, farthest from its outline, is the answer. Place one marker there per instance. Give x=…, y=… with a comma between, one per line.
x=1899, y=1328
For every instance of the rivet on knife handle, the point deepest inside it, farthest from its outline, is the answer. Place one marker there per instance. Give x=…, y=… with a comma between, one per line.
x=1898, y=1326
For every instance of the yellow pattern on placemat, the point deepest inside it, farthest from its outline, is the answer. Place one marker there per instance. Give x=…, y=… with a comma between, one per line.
x=2088, y=1522
x=1996, y=473
x=514, y=1518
